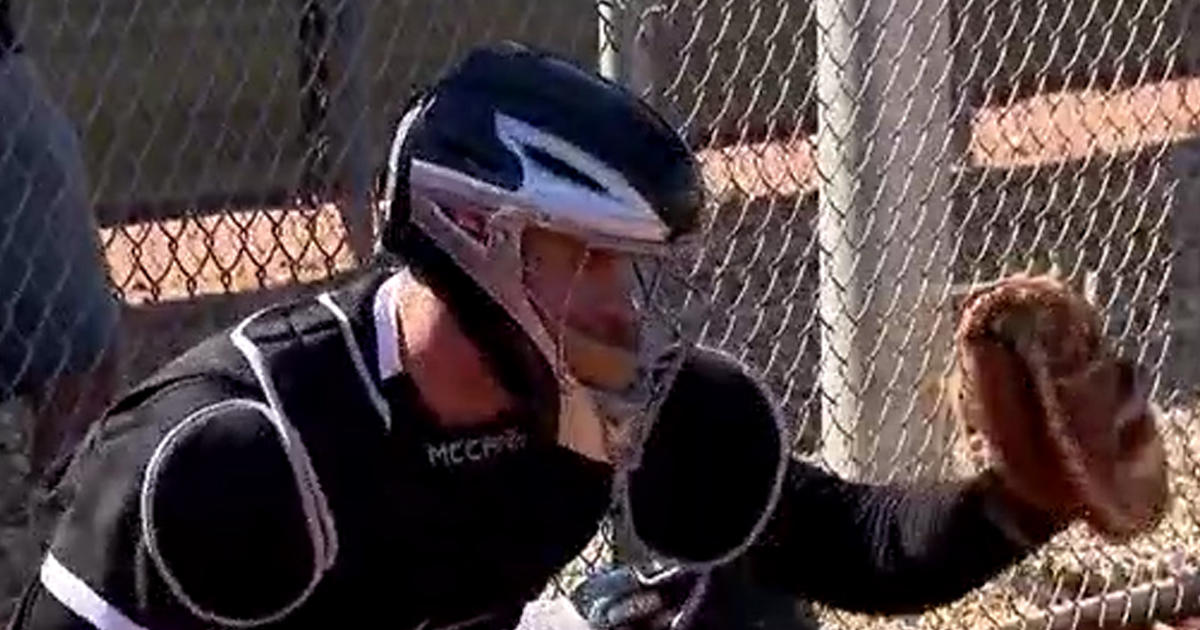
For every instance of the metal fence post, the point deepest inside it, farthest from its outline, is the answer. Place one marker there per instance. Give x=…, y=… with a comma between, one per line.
x=1182, y=372
x=333, y=112
x=348, y=122
x=313, y=83
x=883, y=105
x=610, y=14
x=618, y=58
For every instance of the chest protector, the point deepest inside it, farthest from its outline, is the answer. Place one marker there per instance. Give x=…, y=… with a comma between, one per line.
x=395, y=518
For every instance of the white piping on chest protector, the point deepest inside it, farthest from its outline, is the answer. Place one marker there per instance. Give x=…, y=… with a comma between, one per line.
x=356, y=357
x=316, y=512
x=387, y=329
x=75, y=594
x=318, y=516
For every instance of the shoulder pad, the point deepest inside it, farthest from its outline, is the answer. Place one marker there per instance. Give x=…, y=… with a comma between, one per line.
x=214, y=361
x=233, y=516
x=712, y=382
x=716, y=454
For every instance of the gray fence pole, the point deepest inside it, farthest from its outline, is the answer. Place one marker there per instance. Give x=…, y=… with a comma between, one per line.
x=618, y=26
x=610, y=14
x=348, y=123
x=629, y=33
x=1182, y=368
x=884, y=153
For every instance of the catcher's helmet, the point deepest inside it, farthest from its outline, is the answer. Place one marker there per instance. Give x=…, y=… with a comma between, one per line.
x=520, y=137
x=515, y=126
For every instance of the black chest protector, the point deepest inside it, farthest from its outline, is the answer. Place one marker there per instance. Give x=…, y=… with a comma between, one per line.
x=396, y=522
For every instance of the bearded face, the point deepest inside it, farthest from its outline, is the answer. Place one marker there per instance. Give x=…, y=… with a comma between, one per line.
x=608, y=315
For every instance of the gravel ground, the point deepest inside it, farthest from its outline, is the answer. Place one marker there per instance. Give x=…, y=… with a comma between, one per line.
x=20, y=540
x=1076, y=564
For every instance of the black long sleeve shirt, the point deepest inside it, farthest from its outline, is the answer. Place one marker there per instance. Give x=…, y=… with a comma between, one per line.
x=888, y=549
x=213, y=496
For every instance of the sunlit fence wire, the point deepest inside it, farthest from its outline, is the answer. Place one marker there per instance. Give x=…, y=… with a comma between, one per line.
x=866, y=160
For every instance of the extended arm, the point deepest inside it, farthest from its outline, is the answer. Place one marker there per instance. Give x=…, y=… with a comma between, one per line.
x=890, y=549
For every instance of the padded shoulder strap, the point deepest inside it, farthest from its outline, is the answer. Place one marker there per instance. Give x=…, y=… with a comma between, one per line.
x=292, y=340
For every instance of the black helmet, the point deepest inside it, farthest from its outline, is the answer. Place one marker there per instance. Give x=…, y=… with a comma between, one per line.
x=514, y=125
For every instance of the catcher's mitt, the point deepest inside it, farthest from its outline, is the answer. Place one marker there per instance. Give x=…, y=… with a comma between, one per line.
x=1069, y=424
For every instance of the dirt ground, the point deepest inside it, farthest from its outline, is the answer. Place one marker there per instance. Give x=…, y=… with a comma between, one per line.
x=1037, y=130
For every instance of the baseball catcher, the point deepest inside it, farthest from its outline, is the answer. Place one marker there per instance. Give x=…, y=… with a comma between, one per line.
x=59, y=349
x=426, y=447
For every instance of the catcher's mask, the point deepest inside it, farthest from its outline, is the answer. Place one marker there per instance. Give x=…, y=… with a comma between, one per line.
x=533, y=178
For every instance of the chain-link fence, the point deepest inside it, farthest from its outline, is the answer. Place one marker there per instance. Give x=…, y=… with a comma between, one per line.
x=866, y=160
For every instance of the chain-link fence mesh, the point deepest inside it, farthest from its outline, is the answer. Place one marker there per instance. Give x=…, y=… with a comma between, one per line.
x=866, y=160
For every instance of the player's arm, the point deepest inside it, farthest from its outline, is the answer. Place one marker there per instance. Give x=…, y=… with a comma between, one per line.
x=177, y=525
x=890, y=549
x=1032, y=357
x=717, y=472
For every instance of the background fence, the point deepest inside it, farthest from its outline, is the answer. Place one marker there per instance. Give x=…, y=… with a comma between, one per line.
x=866, y=158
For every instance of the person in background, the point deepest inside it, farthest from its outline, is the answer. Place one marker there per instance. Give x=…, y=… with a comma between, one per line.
x=58, y=317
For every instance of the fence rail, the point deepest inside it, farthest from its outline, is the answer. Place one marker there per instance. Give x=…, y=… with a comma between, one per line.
x=865, y=159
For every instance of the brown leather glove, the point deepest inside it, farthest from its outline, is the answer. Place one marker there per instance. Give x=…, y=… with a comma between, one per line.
x=1069, y=424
